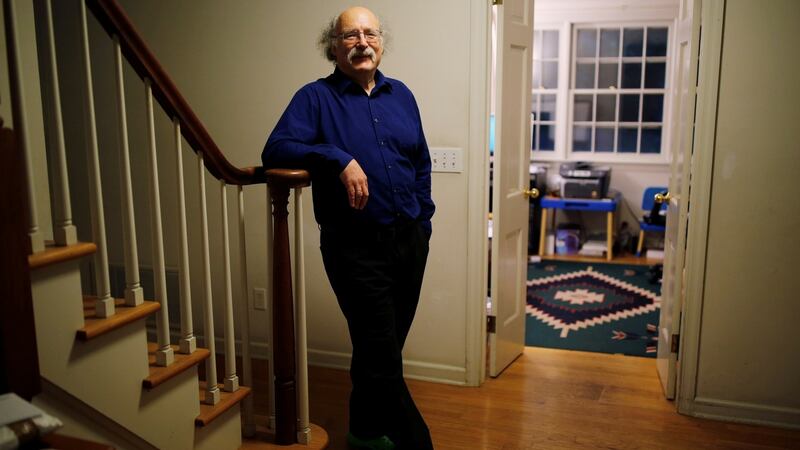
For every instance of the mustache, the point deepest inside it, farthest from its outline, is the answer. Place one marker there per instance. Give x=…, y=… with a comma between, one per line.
x=357, y=53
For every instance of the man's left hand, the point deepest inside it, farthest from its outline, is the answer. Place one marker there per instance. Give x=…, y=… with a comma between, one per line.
x=355, y=182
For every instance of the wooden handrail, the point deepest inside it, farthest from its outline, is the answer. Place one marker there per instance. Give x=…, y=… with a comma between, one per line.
x=116, y=23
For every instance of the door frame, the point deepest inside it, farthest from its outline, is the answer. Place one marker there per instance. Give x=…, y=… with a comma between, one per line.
x=478, y=191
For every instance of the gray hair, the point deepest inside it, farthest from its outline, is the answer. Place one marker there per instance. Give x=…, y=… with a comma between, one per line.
x=327, y=38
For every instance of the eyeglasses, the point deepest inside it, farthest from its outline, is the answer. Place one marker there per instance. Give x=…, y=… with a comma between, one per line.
x=351, y=37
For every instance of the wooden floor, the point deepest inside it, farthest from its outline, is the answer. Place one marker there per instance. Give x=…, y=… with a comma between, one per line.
x=550, y=399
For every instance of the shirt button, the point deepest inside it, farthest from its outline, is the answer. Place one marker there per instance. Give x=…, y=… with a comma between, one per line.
x=375, y=120
x=396, y=190
x=389, y=166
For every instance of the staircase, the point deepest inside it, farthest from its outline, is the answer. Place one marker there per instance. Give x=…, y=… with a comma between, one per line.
x=108, y=365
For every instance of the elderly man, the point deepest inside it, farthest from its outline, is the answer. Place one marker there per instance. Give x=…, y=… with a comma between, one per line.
x=360, y=135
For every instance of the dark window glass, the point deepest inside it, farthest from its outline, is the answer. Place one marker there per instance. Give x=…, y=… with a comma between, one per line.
x=607, y=76
x=653, y=108
x=581, y=139
x=606, y=108
x=629, y=108
x=609, y=42
x=582, y=108
x=604, y=139
x=548, y=108
x=550, y=75
x=627, y=140
x=584, y=76
x=547, y=137
x=587, y=43
x=651, y=140
x=535, y=107
x=656, y=42
x=632, y=40
x=654, y=75
x=533, y=137
x=550, y=44
x=631, y=75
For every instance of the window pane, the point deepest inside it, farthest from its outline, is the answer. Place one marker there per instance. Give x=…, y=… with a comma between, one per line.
x=627, y=140
x=535, y=107
x=537, y=44
x=656, y=42
x=631, y=75
x=653, y=108
x=629, y=108
x=632, y=40
x=587, y=43
x=654, y=75
x=609, y=42
x=548, y=107
x=606, y=108
x=550, y=44
x=533, y=137
x=550, y=75
x=537, y=74
x=547, y=137
x=604, y=139
x=582, y=108
x=651, y=140
x=584, y=76
x=581, y=139
x=607, y=75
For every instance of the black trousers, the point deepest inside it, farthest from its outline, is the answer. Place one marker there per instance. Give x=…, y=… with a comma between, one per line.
x=376, y=274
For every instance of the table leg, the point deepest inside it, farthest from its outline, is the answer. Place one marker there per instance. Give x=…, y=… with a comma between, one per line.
x=543, y=232
x=610, y=235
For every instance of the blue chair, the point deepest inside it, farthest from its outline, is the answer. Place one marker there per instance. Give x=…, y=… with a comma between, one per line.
x=648, y=202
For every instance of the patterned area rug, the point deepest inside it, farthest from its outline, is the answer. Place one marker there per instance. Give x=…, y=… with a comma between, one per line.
x=609, y=308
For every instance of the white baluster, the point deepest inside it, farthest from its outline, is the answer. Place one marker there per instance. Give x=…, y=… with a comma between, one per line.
x=17, y=84
x=104, y=304
x=133, y=289
x=188, y=342
x=164, y=355
x=248, y=420
x=212, y=390
x=231, y=382
x=64, y=231
x=303, y=426
x=270, y=305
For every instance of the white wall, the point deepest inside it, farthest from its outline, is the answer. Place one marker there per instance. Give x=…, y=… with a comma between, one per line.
x=238, y=64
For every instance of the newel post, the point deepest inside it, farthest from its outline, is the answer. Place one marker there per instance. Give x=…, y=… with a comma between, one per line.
x=280, y=181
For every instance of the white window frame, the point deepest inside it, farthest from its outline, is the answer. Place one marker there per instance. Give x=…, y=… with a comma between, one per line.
x=564, y=95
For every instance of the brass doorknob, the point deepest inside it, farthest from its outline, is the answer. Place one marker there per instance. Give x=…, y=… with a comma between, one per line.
x=661, y=198
x=531, y=193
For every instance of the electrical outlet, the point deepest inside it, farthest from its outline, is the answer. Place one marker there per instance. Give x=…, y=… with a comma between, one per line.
x=260, y=299
x=446, y=159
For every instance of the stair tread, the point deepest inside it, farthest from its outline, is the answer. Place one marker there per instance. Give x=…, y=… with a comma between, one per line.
x=53, y=254
x=94, y=326
x=159, y=374
x=227, y=400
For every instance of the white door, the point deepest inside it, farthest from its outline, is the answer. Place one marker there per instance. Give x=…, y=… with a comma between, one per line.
x=682, y=133
x=511, y=178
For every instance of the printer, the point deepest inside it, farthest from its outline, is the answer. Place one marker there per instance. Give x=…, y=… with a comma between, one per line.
x=583, y=180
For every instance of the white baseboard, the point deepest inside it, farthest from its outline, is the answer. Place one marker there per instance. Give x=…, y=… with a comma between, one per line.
x=417, y=370
x=745, y=412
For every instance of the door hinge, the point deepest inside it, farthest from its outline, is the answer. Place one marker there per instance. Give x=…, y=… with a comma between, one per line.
x=497, y=2
x=675, y=343
x=491, y=324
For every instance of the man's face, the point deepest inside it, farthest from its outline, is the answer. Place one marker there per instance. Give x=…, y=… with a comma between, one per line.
x=359, y=48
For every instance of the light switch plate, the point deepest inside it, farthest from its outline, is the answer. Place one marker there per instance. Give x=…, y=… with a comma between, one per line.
x=447, y=159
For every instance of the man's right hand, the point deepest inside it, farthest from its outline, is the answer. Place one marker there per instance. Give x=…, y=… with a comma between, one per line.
x=355, y=182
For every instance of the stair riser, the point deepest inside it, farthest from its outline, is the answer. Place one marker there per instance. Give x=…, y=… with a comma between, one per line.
x=107, y=373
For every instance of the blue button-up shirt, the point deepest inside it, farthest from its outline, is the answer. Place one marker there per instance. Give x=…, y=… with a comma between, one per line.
x=332, y=121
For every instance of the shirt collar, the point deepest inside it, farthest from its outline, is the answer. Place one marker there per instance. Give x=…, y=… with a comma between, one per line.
x=342, y=82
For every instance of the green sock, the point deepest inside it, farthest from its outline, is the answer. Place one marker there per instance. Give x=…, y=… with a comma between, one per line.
x=381, y=443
